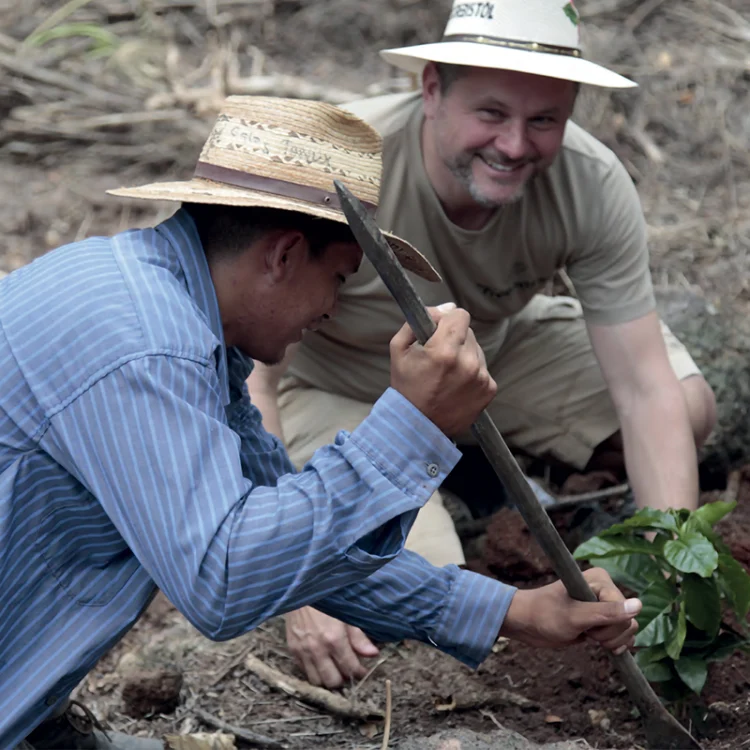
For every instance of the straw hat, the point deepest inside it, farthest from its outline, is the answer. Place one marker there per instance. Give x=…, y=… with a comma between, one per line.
x=285, y=153
x=531, y=36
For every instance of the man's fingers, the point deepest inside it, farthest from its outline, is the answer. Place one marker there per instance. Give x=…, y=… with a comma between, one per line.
x=437, y=312
x=308, y=667
x=346, y=661
x=604, y=614
x=603, y=586
x=452, y=329
x=360, y=643
x=330, y=675
x=405, y=337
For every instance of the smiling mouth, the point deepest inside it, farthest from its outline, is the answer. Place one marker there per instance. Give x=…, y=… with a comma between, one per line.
x=500, y=168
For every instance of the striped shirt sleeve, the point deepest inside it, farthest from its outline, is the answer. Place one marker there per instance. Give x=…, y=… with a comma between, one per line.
x=457, y=611
x=204, y=510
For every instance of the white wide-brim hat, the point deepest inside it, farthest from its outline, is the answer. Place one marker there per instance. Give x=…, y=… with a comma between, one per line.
x=541, y=37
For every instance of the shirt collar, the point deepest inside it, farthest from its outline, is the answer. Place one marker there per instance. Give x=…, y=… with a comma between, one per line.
x=180, y=231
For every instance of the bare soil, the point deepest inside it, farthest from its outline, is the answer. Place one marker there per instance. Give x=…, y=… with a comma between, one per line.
x=571, y=693
x=683, y=137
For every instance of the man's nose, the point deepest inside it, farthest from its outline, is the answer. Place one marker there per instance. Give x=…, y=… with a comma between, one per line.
x=513, y=140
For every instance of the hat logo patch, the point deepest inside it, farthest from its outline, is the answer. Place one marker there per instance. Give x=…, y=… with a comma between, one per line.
x=473, y=10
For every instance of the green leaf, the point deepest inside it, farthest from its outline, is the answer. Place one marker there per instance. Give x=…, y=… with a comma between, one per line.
x=725, y=645
x=712, y=513
x=697, y=524
x=657, y=599
x=634, y=571
x=605, y=547
x=692, y=672
x=736, y=583
x=659, y=630
x=650, y=662
x=691, y=552
x=702, y=602
x=677, y=637
x=99, y=35
x=657, y=672
x=650, y=655
x=647, y=518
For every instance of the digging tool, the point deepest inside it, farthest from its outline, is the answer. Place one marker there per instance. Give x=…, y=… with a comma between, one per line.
x=663, y=731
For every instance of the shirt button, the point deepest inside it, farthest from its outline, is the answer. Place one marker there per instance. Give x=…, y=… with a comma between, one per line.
x=433, y=470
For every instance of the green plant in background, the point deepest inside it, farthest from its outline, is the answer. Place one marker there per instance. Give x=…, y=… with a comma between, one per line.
x=103, y=41
x=687, y=580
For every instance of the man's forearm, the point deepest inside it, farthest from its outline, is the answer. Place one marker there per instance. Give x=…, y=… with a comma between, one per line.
x=660, y=454
x=457, y=611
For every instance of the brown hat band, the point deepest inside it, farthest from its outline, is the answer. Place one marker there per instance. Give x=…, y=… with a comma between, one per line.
x=241, y=179
x=512, y=44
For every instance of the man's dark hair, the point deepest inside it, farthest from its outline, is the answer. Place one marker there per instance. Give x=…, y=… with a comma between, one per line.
x=448, y=74
x=228, y=230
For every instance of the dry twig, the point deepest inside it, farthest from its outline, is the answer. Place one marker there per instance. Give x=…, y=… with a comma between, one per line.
x=260, y=740
x=388, y=710
x=488, y=699
x=316, y=696
x=29, y=70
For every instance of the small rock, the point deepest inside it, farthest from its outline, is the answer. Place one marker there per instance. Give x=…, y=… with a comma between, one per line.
x=147, y=693
x=599, y=719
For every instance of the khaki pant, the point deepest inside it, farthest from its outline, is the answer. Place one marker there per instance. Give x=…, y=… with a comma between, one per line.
x=551, y=401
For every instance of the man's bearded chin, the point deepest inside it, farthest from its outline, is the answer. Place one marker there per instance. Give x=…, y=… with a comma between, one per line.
x=461, y=169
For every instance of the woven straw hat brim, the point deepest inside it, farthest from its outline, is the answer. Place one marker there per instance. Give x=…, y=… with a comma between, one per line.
x=476, y=54
x=205, y=191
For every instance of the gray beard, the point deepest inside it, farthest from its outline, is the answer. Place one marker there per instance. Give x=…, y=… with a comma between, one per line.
x=463, y=173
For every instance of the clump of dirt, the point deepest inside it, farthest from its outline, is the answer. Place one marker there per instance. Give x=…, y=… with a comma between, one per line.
x=147, y=693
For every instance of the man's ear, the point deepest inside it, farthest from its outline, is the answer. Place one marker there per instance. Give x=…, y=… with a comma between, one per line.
x=431, y=90
x=285, y=252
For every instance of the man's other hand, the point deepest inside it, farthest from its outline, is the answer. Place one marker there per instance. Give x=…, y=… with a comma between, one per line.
x=447, y=378
x=548, y=617
x=326, y=649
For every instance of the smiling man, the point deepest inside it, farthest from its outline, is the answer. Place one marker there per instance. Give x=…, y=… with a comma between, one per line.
x=485, y=173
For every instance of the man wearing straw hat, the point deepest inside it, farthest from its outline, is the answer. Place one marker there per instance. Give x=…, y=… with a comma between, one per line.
x=486, y=175
x=131, y=456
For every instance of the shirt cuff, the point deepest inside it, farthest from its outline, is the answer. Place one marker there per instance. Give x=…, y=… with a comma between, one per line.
x=472, y=617
x=405, y=446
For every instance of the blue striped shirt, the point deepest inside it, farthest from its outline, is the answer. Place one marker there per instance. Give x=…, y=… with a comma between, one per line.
x=131, y=458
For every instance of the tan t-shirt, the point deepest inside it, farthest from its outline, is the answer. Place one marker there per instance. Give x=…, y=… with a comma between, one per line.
x=582, y=214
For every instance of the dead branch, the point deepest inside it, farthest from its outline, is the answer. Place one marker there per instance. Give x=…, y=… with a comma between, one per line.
x=641, y=13
x=388, y=710
x=488, y=699
x=316, y=696
x=54, y=78
x=234, y=662
x=570, y=501
x=370, y=671
x=737, y=31
x=604, y=7
x=260, y=740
